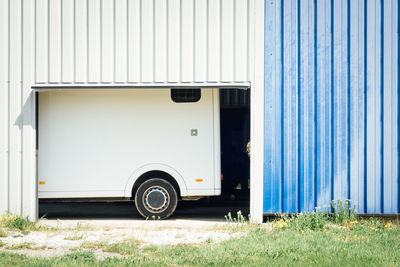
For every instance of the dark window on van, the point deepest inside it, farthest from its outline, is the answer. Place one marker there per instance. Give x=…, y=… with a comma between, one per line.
x=185, y=95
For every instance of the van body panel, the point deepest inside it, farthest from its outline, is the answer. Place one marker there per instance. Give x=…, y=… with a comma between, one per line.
x=94, y=143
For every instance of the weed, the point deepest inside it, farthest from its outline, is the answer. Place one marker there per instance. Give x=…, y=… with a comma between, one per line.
x=344, y=212
x=236, y=224
x=3, y=233
x=179, y=235
x=17, y=222
x=304, y=221
x=83, y=227
x=40, y=247
x=128, y=248
x=25, y=245
x=93, y=245
x=74, y=237
x=73, y=249
x=17, y=235
x=388, y=226
x=239, y=218
x=282, y=223
x=80, y=256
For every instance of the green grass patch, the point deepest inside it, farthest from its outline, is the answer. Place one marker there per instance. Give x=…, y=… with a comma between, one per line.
x=362, y=242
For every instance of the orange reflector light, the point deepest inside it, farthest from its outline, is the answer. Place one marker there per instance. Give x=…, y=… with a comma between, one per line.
x=42, y=182
x=199, y=180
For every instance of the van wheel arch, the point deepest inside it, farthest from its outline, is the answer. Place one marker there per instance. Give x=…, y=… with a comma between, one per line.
x=155, y=174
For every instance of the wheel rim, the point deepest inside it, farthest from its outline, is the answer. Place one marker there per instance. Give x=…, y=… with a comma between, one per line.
x=156, y=199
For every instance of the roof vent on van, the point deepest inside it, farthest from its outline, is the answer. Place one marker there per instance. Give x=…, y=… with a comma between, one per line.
x=186, y=95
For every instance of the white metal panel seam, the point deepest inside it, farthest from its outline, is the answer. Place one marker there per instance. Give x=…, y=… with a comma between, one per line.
x=4, y=106
x=29, y=181
x=257, y=111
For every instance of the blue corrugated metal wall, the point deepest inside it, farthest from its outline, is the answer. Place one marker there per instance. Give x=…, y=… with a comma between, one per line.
x=331, y=104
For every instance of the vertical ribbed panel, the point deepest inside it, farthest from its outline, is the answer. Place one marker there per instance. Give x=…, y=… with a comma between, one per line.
x=357, y=103
x=273, y=111
x=54, y=41
x=340, y=99
x=4, y=105
x=323, y=39
x=290, y=104
x=390, y=105
x=17, y=106
x=120, y=41
x=149, y=42
x=27, y=115
x=134, y=34
x=374, y=88
x=94, y=42
x=331, y=105
x=15, y=97
x=307, y=105
x=80, y=68
x=110, y=43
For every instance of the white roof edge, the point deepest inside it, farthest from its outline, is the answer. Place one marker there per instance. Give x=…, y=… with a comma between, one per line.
x=51, y=87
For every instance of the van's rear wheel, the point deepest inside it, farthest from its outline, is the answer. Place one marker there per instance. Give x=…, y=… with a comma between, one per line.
x=156, y=198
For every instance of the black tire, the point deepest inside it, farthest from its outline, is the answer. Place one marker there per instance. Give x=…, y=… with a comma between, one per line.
x=156, y=199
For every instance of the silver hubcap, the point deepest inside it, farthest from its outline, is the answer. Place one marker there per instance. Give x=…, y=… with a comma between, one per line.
x=156, y=199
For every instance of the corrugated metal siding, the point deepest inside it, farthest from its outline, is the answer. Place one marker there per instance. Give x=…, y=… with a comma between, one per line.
x=17, y=109
x=331, y=105
x=145, y=42
x=110, y=43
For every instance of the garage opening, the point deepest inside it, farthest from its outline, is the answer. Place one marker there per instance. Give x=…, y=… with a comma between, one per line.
x=235, y=144
x=83, y=124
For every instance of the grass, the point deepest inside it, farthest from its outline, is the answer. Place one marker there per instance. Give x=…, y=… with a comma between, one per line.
x=93, y=245
x=21, y=224
x=74, y=237
x=351, y=243
x=83, y=227
x=13, y=222
x=123, y=249
x=25, y=245
x=3, y=233
x=339, y=238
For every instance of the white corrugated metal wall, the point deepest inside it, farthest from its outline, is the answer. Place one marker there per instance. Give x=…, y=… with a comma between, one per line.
x=112, y=43
x=141, y=42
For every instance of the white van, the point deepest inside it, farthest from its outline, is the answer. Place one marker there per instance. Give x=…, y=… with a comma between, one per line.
x=151, y=145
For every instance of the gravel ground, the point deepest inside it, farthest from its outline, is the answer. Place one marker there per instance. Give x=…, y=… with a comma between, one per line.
x=78, y=235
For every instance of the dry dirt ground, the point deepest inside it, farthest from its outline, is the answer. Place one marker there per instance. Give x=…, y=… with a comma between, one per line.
x=93, y=226
x=66, y=236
